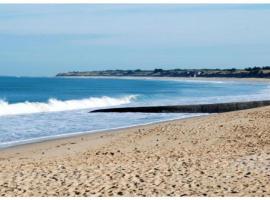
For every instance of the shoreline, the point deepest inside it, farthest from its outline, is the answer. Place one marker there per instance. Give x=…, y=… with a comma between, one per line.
x=65, y=135
x=191, y=111
x=174, y=78
x=88, y=133
x=226, y=154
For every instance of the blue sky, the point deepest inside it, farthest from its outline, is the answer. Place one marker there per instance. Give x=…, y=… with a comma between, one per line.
x=42, y=40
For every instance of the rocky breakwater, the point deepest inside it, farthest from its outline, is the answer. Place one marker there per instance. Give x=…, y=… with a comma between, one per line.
x=195, y=108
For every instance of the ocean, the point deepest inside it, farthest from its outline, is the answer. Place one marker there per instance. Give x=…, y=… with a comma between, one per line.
x=35, y=109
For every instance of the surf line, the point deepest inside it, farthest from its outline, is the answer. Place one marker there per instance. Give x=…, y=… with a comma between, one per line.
x=195, y=108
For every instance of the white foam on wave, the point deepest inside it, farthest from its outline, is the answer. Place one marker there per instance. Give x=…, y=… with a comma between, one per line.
x=54, y=105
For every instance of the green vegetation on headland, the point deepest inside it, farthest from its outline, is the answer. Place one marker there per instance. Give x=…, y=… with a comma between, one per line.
x=255, y=72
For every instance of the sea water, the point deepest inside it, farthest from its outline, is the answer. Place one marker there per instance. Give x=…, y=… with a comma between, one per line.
x=34, y=109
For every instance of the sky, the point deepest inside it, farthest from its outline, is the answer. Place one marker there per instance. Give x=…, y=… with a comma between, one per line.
x=44, y=39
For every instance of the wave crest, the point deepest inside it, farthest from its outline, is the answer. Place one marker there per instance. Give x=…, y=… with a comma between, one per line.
x=54, y=105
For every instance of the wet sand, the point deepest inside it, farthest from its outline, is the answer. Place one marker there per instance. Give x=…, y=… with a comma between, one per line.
x=224, y=154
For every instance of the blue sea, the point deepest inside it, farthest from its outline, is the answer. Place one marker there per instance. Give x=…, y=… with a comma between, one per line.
x=35, y=109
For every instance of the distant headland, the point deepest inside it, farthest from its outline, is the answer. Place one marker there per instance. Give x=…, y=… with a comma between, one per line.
x=255, y=72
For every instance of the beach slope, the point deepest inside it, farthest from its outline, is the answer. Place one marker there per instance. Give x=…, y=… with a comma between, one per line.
x=224, y=154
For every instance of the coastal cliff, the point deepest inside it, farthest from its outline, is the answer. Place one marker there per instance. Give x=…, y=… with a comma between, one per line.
x=255, y=72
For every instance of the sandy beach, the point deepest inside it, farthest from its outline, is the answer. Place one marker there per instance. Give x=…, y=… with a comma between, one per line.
x=224, y=154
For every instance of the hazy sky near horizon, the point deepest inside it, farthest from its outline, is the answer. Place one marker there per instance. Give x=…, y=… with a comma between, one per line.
x=41, y=40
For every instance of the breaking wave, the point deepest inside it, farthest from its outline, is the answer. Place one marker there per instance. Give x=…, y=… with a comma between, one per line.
x=54, y=105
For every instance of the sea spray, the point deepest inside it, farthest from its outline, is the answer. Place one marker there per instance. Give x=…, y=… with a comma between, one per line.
x=54, y=105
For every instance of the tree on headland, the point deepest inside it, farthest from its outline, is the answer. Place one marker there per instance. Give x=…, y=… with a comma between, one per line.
x=232, y=70
x=158, y=70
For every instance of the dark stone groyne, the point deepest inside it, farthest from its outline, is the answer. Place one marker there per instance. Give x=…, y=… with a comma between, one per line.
x=196, y=108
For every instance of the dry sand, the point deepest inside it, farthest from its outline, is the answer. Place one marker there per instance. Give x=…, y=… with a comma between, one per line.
x=219, y=155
